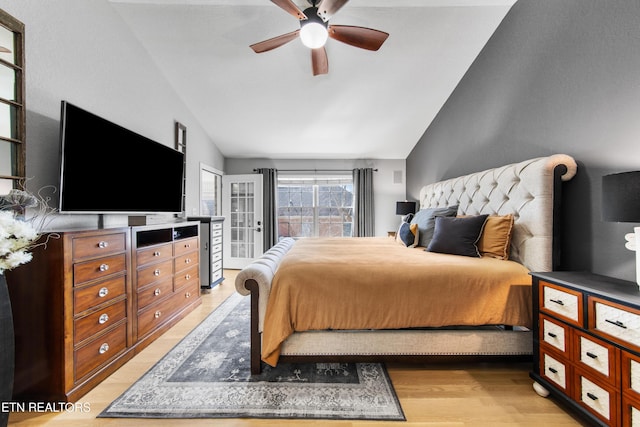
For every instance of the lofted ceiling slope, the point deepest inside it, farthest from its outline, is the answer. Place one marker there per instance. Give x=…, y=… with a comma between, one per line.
x=371, y=105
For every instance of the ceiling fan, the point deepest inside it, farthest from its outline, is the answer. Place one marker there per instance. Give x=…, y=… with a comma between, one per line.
x=315, y=29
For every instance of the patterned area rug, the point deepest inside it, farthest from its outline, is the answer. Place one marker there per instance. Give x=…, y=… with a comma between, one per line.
x=207, y=375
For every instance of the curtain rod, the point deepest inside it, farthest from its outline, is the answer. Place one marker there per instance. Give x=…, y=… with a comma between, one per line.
x=316, y=170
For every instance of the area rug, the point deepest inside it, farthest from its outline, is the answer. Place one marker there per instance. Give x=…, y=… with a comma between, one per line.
x=207, y=375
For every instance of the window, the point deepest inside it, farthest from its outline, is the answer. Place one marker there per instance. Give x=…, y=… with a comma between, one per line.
x=12, y=112
x=210, y=191
x=315, y=206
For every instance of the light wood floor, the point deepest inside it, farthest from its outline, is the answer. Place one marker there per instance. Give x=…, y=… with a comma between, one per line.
x=430, y=394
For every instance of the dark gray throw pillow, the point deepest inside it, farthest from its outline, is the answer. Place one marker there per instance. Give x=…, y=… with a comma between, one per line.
x=425, y=218
x=457, y=236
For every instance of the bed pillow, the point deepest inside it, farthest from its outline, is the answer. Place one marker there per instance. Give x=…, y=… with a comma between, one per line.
x=425, y=218
x=495, y=240
x=457, y=236
x=407, y=235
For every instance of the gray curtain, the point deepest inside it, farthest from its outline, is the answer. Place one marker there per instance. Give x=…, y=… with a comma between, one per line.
x=269, y=215
x=363, y=218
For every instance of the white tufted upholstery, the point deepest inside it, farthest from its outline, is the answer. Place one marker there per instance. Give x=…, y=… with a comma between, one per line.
x=262, y=271
x=524, y=189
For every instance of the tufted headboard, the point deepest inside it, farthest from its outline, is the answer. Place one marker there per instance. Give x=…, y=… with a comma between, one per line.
x=530, y=190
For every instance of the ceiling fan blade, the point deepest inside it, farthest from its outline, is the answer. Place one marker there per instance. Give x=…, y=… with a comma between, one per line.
x=275, y=42
x=290, y=7
x=364, y=38
x=319, y=61
x=328, y=8
x=4, y=50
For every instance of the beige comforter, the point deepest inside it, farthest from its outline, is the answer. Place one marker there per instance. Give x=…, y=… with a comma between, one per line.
x=375, y=283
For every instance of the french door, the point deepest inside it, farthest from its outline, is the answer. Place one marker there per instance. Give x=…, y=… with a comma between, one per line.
x=242, y=208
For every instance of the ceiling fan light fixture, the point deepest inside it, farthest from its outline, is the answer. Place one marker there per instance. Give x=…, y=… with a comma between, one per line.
x=313, y=35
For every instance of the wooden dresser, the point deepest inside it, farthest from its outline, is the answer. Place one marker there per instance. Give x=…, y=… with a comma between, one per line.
x=587, y=345
x=87, y=303
x=166, y=277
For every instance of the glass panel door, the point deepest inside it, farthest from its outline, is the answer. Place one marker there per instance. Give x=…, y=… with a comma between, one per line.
x=242, y=206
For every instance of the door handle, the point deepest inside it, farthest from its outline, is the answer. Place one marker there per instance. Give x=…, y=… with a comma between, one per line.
x=258, y=229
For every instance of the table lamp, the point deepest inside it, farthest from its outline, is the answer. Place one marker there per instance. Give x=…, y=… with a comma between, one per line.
x=621, y=203
x=405, y=208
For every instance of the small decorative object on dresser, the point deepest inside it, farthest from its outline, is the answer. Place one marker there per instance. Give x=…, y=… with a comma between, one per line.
x=587, y=345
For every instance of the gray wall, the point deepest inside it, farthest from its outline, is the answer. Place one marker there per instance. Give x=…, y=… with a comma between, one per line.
x=556, y=77
x=387, y=192
x=82, y=51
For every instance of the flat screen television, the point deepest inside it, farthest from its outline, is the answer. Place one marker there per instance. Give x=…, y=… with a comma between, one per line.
x=106, y=168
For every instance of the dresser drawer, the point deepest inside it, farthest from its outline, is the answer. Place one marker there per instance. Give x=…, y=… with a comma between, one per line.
x=90, y=296
x=157, y=314
x=617, y=322
x=186, y=245
x=154, y=254
x=596, y=356
x=600, y=399
x=216, y=256
x=558, y=301
x=94, y=323
x=555, y=334
x=154, y=273
x=555, y=370
x=216, y=226
x=99, y=245
x=216, y=275
x=155, y=292
x=99, y=351
x=186, y=261
x=95, y=269
x=186, y=277
x=216, y=240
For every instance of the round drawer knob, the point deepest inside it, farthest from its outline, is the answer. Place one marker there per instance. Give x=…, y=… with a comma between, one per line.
x=187, y=245
x=187, y=295
x=156, y=253
x=156, y=272
x=157, y=292
x=187, y=276
x=157, y=314
x=104, y=348
x=187, y=261
x=103, y=318
x=103, y=292
x=104, y=267
x=103, y=244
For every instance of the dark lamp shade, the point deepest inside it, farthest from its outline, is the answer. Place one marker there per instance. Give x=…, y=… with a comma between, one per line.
x=404, y=208
x=621, y=197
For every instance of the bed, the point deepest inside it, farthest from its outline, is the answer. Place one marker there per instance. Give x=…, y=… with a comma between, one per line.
x=339, y=299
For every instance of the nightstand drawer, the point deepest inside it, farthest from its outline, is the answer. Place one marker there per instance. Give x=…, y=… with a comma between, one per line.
x=562, y=302
x=602, y=400
x=618, y=322
x=554, y=334
x=596, y=356
x=555, y=370
x=630, y=372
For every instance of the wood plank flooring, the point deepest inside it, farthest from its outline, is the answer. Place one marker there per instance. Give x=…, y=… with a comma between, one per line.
x=450, y=395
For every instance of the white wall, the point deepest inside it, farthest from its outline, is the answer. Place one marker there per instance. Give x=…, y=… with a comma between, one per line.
x=387, y=193
x=81, y=51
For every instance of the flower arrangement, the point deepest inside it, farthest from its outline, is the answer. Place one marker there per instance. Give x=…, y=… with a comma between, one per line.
x=19, y=235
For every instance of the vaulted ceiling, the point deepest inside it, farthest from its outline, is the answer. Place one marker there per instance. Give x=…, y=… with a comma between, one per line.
x=373, y=105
